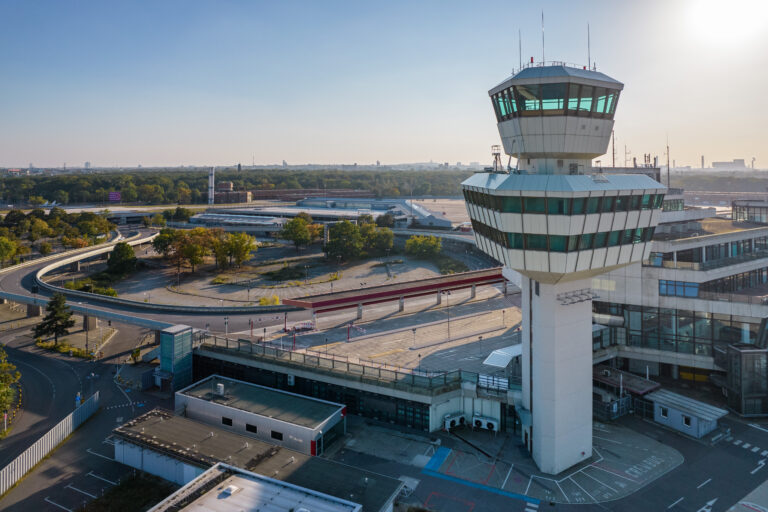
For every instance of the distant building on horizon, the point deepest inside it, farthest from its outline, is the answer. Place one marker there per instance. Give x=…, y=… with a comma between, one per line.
x=736, y=163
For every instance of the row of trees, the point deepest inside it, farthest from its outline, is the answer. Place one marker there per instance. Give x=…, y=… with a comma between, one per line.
x=194, y=245
x=169, y=186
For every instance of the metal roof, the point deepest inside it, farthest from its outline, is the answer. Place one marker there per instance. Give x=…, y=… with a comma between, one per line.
x=556, y=74
x=686, y=405
x=272, y=403
x=562, y=182
x=501, y=358
x=227, y=488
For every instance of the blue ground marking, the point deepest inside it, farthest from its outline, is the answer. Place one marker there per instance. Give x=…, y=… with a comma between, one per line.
x=437, y=459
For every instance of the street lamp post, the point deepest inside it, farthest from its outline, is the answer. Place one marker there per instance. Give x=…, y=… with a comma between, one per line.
x=414, y=336
x=448, y=310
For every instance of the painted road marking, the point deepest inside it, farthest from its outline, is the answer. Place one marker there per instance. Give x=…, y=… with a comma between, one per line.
x=675, y=503
x=729, y=439
x=758, y=427
x=764, y=453
x=387, y=353
x=746, y=445
x=708, y=506
x=705, y=482
x=758, y=468
x=583, y=489
x=99, y=455
x=755, y=449
x=62, y=507
x=737, y=442
x=598, y=481
x=70, y=486
x=94, y=475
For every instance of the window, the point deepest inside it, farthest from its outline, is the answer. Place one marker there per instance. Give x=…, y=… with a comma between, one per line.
x=558, y=206
x=613, y=238
x=528, y=99
x=578, y=205
x=664, y=412
x=553, y=97
x=585, y=103
x=686, y=420
x=277, y=435
x=515, y=240
x=536, y=242
x=646, y=202
x=535, y=205
x=226, y=421
x=586, y=242
x=511, y=204
x=573, y=97
x=600, y=240
x=608, y=204
x=593, y=205
x=600, y=95
x=251, y=428
x=622, y=203
x=558, y=243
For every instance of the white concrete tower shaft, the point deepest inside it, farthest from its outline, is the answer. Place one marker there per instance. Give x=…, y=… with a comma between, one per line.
x=559, y=225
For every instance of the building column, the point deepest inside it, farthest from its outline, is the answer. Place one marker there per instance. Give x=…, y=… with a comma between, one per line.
x=74, y=266
x=439, y=298
x=34, y=310
x=359, y=311
x=745, y=332
x=401, y=305
x=674, y=258
x=473, y=293
x=557, y=373
x=675, y=371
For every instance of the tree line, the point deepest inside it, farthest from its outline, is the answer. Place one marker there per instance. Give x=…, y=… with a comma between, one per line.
x=23, y=233
x=191, y=247
x=191, y=187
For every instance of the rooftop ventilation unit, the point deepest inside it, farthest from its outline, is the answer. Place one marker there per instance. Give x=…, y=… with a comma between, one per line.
x=220, y=389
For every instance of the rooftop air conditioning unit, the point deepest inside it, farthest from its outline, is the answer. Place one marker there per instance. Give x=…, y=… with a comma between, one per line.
x=454, y=420
x=220, y=388
x=485, y=423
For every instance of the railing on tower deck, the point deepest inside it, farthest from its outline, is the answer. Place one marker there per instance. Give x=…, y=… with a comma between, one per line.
x=673, y=191
x=544, y=63
x=362, y=370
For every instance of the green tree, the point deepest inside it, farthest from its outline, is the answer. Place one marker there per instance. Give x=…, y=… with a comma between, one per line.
x=386, y=221
x=61, y=196
x=366, y=218
x=36, y=200
x=423, y=247
x=304, y=215
x=38, y=228
x=296, y=231
x=344, y=241
x=240, y=246
x=45, y=248
x=8, y=378
x=121, y=260
x=158, y=220
x=383, y=241
x=58, y=320
x=8, y=249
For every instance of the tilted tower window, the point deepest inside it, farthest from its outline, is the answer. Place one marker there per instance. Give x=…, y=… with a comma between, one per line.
x=529, y=99
x=553, y=98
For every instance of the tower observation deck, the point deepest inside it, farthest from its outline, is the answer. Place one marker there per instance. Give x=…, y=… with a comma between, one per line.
x=559, y=224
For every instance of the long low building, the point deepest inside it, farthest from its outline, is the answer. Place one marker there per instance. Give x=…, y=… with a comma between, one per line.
x=179, y=450
x=301, y=423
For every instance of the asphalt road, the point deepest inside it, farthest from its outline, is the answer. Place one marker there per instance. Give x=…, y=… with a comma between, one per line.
x=49, y=385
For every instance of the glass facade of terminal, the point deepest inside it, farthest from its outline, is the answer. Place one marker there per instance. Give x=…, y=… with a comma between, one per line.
x=676, y=330
x=750, y=212
x=673, y=205
x=555, y=99
x=563, y=205
x=711, y=256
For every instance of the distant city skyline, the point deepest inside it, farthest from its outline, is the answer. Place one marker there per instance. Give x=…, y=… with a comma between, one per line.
x=193, y=82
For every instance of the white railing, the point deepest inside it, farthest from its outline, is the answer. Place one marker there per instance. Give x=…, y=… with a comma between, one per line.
x=22, y=464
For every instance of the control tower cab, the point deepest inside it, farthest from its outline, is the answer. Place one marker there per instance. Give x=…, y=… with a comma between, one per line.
x=559, y=222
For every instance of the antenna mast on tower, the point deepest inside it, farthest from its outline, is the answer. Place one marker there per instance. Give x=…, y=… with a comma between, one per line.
x=589, y=50
x=543, y=60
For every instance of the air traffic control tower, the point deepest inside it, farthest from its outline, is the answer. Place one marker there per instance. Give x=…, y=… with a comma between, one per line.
x=559, y=222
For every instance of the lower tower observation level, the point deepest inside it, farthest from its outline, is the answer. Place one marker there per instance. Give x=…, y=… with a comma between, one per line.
x=559, y=224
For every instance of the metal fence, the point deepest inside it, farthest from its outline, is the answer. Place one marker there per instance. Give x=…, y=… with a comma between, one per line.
x=21, y=465
x=413, y=379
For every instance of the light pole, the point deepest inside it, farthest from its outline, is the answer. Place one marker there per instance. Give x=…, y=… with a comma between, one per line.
x=448, y=310
x=414, y=336
x=503, y=318
x=306, y=274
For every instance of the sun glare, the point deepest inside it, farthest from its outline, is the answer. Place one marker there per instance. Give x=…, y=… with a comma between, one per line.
x=727, y=23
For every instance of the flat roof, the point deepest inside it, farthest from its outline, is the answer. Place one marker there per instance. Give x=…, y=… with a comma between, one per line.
x=278, y=211
x=203, y=445
x=226, y=488
x=269, y=402
x=407, y=288
x=618, y=378
x=686, y=405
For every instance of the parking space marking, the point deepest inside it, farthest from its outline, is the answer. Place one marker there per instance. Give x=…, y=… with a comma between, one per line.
x=705, y=482
x=764, y=453
x=746, y=445
x=758, y=427
x=675, y=503
x=70, y=486
x=598, y=481
x=729, y=439
x=94, y=475
x=99, y=455
x=583, y=489
x=62, y=507
x=755, y=449
x=737, y=442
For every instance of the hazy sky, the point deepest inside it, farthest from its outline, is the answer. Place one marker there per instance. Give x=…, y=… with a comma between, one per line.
x=213, y=82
